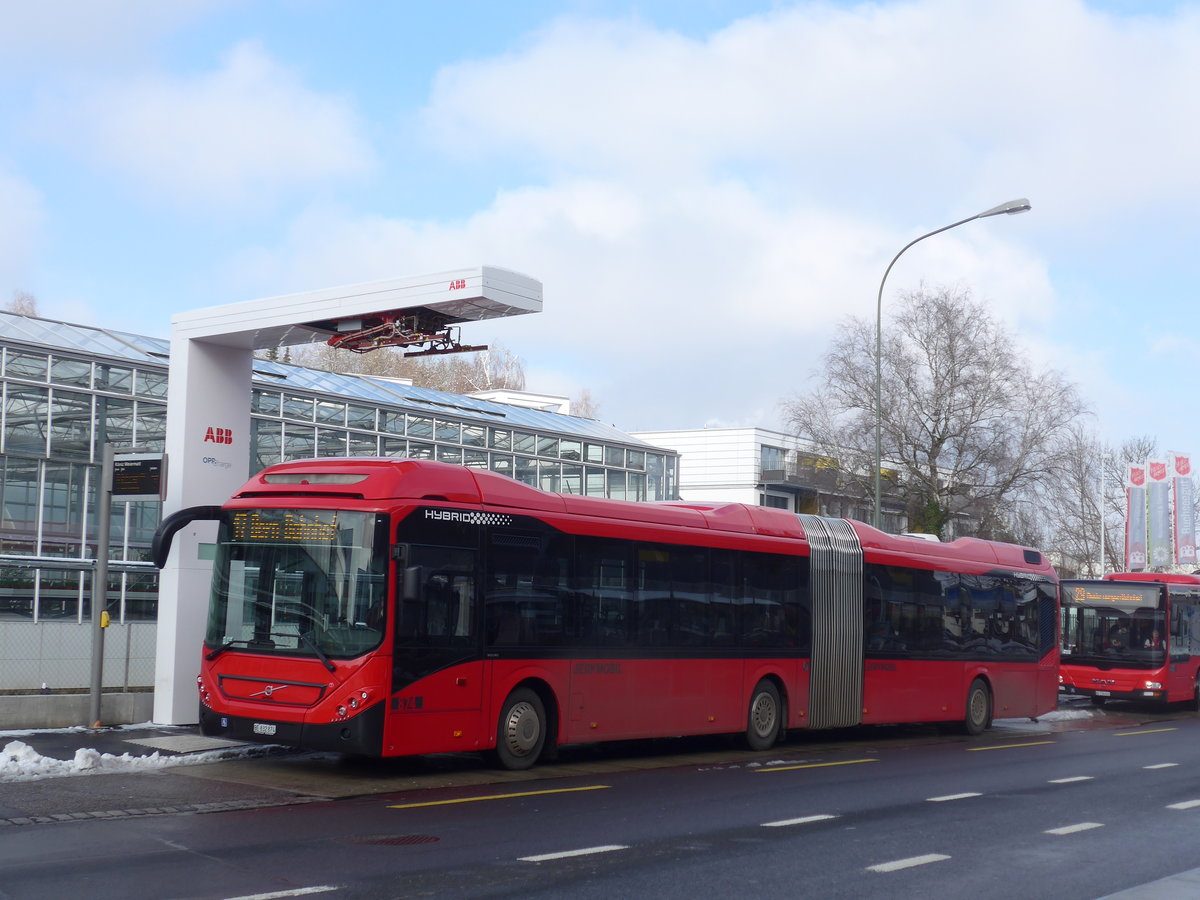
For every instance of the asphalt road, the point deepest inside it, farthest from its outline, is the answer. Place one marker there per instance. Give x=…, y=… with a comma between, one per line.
x=1071, y=811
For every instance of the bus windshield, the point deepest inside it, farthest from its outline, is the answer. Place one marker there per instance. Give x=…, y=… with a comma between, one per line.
x=1113, y=623
x=300, y=582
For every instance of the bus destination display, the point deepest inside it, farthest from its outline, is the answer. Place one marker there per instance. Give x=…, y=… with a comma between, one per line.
x=284, y=526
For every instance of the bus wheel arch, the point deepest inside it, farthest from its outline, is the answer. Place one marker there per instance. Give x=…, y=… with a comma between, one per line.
x=766, y=714
x=526, y=729
x=978, y=715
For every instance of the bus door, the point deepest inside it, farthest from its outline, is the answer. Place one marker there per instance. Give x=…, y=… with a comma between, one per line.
x=1183, y=644
x=437, y=674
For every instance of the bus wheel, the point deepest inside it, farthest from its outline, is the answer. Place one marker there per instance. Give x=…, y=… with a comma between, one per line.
x=521, y=734
x=764, y=721
x=1196, y=695
x=979, y=708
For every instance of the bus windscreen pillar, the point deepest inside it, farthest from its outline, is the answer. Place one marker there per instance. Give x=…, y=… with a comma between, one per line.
x=208, y=414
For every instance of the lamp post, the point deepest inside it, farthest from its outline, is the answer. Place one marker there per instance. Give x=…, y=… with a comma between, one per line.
x=1010, y=208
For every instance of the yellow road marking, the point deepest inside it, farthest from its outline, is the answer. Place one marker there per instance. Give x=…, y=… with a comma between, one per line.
x=845, y=762
x=1149, y=731
x=1006, y=746
x=593, y=787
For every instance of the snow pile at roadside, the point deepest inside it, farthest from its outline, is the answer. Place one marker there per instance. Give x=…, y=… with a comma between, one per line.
x=1061, y=715
x=20, y=762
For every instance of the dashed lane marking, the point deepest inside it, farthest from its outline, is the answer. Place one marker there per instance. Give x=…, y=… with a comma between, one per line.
x=1070, y=780
x=844, y=762
x=1071, y=829
x=1161, y=766
x=590, y=787
x=295, y=892
x=897, y=865
x=567, y=854
x=803, y=820
x=952, y=797
x=1010, y=746
x=1186, y=804
x=1147, y=731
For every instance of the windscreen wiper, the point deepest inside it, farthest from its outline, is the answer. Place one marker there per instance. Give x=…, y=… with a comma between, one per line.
x=312, y=645
x=213, y=654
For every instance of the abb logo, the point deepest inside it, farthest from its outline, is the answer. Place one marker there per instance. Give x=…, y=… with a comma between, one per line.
x=458, y=284
x=218, y=435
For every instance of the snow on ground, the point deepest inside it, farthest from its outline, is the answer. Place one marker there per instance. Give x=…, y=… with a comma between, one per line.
x=21, y=762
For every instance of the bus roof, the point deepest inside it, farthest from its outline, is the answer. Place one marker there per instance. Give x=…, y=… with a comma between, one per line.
x=1163, y=577
x=379, y=479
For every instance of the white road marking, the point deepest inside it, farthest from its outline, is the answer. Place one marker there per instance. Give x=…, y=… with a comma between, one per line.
x=804, y=820
x=1071, y=829
x=1186, y=804
x=1069, y=780
x=1161, y=766
x=897, y=865
x=951, y=797
x=297, y=892
x=566, y=854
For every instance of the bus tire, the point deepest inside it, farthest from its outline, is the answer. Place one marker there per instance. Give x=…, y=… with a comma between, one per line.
x=979, y=708
x=521, y=732
x=764, y=719
x=1196, y=695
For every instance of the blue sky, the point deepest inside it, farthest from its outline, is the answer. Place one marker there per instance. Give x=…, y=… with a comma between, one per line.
x=704, y=188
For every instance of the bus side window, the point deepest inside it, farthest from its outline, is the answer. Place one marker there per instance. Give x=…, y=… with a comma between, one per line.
x=1182, y=635
x=437, y=596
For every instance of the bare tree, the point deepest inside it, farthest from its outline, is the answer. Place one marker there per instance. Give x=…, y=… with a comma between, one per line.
x=23, y=303
x=584, y=404
x=456, y=374
x=1089, y=496
x=967, y=424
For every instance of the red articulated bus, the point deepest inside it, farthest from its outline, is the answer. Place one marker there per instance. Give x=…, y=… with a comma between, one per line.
x=395, y=607
x=1132, y=636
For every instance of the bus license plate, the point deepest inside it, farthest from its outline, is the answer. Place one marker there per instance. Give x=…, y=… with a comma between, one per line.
x=260, y=728
x=1103, y=693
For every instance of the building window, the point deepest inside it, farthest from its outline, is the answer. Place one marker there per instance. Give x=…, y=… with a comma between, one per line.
x=114, y=379
x=71, y=372
x=26, y=410
x=330, y=412
x=71, y=425
x=299, y=442
x=151, y=384
x=30, y=366
x=772, y=458
x=265, y=403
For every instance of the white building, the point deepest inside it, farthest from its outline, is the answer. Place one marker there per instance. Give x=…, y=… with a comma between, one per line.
x=764, y=468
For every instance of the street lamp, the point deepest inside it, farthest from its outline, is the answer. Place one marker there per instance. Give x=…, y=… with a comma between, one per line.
x=1011, y=208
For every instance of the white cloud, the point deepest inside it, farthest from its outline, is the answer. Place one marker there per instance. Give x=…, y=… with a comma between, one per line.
x=21, y=231
x=236, y=136
x=56, y=34
x=709, y=209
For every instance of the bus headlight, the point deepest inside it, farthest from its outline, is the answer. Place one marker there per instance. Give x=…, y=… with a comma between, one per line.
x=1154, y=685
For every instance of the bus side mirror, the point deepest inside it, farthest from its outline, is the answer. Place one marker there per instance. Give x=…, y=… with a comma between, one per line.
x=160, y=545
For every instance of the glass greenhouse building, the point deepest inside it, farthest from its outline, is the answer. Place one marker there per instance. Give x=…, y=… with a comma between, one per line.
x=69, y=389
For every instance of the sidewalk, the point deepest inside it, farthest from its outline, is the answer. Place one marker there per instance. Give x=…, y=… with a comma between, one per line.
x=144, y=770
x=117, y=740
